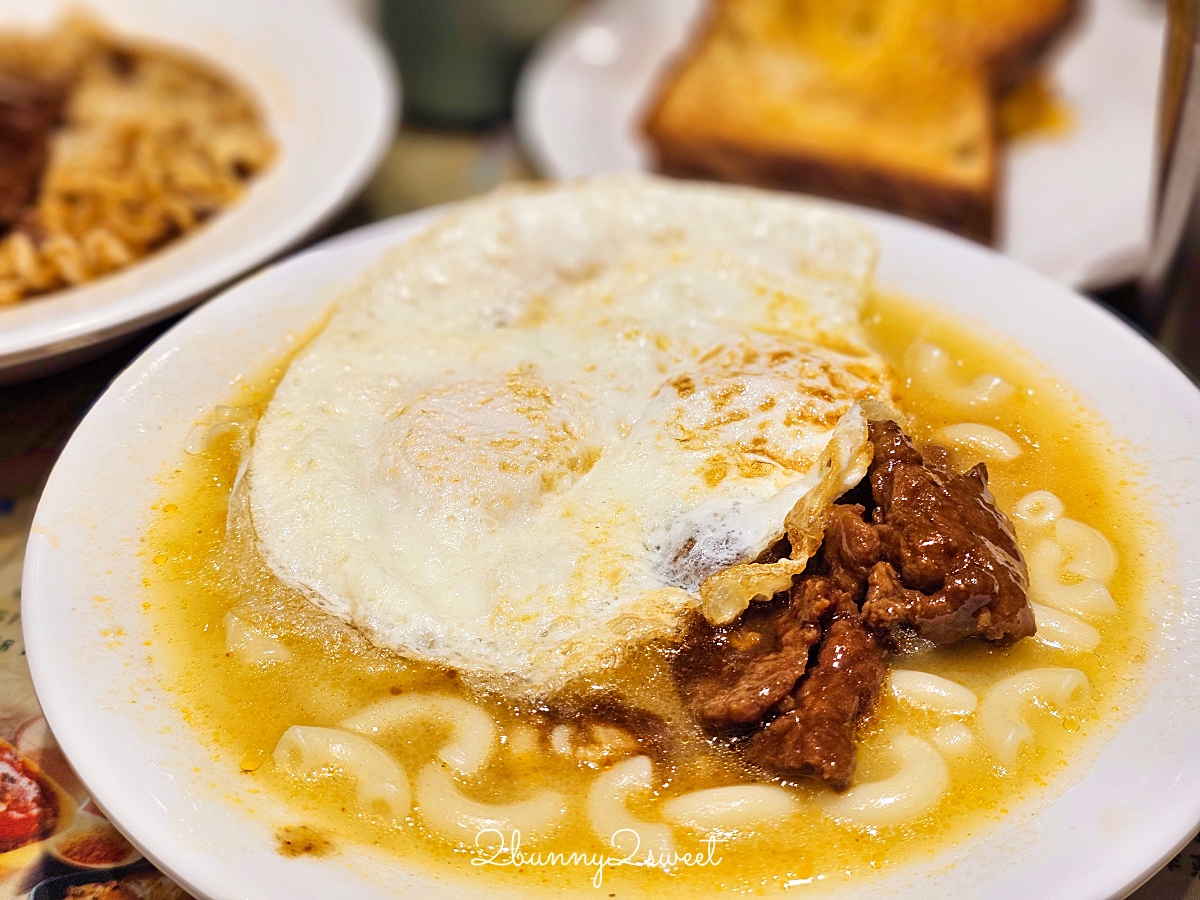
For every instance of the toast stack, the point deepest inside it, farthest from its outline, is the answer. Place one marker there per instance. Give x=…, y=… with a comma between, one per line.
x=890, y=103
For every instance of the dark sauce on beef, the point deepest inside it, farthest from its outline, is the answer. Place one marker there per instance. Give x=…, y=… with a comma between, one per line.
x=926, y=551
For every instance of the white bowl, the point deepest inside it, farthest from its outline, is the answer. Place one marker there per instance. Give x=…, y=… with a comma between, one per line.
x=329, y=96
x=1125, y=808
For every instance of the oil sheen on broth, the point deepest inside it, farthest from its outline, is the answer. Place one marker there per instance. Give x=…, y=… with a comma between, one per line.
x=296, y=666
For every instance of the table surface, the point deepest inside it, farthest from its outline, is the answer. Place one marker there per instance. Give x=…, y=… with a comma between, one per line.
x=422, y=168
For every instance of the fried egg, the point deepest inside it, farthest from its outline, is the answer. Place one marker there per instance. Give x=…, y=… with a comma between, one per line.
x=530, y=438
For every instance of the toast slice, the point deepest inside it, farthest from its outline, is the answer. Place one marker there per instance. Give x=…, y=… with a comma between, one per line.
x=890, y=103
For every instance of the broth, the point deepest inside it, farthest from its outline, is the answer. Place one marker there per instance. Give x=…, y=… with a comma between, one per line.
x=195, y=577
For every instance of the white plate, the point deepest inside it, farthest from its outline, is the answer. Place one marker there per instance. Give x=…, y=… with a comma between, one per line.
x=1076, y=207
x=1122, y=817
x=330, y=100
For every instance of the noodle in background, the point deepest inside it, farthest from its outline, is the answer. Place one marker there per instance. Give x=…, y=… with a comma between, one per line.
x=153, y=144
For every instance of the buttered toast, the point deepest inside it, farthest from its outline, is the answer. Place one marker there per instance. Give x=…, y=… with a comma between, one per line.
x=891, y=103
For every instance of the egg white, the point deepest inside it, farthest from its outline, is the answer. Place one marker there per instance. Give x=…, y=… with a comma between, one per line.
x=524, y=441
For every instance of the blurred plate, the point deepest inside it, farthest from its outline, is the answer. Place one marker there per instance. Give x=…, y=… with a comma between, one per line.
x=1120, y=812
x=1075, y=207
x=330, y=101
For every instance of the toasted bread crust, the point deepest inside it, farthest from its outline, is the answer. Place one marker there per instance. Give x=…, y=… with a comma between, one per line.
x=966, y=212
x=688, y=147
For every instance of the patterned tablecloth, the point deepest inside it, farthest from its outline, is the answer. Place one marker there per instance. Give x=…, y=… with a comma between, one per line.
x=88, y=859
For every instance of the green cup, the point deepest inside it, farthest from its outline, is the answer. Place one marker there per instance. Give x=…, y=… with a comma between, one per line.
x=459, y=59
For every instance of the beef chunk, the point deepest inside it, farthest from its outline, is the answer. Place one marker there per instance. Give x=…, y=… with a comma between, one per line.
x=814, y=734
x=933, y=554
x=851, y=548
x=28, y=112
x=732, y=676
x=950, y=566
x=746, y=674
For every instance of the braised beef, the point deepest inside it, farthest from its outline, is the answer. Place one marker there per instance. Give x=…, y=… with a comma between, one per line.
x=851, y=548
x=950, y=567
x=761, y=670
x=29, y=110
x=814, y=734
x=794, y=678
x=735, y=675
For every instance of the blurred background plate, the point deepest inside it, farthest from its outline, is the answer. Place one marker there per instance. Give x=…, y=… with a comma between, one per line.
x=1075, y=206
x=330, y=99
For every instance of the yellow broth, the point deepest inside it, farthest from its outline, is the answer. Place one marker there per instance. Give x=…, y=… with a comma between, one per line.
x=195, y=575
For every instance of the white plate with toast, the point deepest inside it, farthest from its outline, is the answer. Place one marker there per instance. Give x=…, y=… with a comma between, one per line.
x=329, y=98
x=1075, y=206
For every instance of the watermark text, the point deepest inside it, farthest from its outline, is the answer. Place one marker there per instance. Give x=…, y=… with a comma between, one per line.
x=494, y=848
